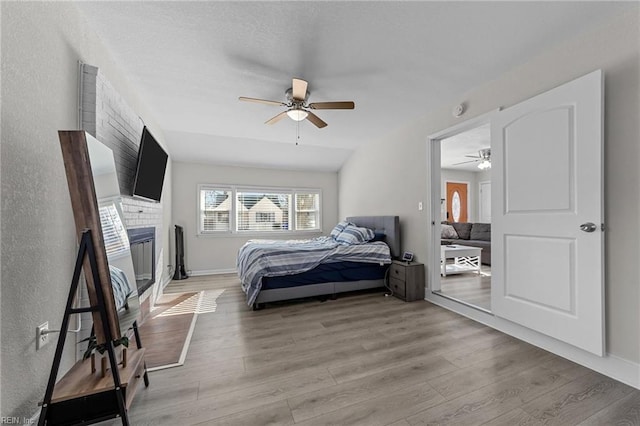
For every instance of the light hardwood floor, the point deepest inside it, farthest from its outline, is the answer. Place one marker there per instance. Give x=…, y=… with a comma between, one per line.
x=371, y=360
x=470, y=287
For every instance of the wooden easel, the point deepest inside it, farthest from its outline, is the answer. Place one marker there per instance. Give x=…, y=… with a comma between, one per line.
x=81, y=397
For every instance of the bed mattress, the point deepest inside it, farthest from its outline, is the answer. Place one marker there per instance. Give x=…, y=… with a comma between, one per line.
x=328, y=272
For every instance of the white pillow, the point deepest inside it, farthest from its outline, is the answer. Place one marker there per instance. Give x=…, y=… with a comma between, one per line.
x=448, y=232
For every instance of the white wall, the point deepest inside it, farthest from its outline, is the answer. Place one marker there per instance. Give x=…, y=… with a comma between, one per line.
x=614, y=48
x=42, y=43
x=218, y=253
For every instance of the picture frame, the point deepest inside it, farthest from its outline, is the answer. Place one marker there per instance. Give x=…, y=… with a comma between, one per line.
x=407, y=256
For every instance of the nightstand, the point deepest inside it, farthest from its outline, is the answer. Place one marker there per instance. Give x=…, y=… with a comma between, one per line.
x=406, y=280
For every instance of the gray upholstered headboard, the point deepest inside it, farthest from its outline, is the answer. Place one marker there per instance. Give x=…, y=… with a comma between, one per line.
x=389, y=225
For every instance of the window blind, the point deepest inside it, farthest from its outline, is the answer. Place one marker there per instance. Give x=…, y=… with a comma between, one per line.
x=215, y=210
x=262, y=211
x=116, y=241
x=307, y=207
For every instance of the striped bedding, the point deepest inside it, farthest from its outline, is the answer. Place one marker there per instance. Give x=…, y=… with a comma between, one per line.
x=269, y=258
x=121, y=286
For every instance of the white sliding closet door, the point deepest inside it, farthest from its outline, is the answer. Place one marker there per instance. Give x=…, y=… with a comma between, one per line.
x=547, y=265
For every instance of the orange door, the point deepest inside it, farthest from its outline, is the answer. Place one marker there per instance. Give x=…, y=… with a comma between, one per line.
x=457, y=202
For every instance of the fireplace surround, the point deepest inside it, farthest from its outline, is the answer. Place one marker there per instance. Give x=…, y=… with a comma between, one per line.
x=143, y=251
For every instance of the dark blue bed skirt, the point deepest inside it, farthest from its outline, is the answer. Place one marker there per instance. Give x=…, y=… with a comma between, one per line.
x=328, y=272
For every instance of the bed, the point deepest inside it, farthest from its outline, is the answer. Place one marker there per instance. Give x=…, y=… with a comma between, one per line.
x=328, y=278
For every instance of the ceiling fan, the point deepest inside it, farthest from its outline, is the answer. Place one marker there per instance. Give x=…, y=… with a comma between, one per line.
x=297, y=106
x=484, y=157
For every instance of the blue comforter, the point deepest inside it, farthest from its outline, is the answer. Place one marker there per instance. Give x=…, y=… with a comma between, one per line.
x=269, y=258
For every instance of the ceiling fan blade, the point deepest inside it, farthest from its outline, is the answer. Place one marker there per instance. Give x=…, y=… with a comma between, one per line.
x=473, y=156
x=333, y=105
x=277, y=118
x=261, y=101
x=317, y=121
x=465, y=162
x=299, y=89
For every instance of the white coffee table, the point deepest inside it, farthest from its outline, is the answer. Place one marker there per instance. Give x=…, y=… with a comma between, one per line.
x=465, y=259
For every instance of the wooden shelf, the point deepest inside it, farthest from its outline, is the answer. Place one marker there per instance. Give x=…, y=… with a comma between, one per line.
x=82, y=397
x=79, y=382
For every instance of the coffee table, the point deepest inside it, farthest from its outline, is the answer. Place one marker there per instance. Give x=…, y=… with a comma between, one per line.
x=465, y=259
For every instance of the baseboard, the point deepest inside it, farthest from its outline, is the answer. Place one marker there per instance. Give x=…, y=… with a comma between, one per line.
x=212, y=272
x=610, y=365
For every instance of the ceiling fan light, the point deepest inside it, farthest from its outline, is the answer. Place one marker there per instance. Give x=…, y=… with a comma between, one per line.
x=297, y=114
x=484, y=164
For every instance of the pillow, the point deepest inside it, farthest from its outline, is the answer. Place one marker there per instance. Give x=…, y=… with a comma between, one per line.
x=352, y=234
x=338, y=229
x=378, y=236
x=448, y=232
x=463, y=229
x=481, y=231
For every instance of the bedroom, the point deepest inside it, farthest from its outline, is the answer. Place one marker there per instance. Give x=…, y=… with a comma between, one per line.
x=41, y=44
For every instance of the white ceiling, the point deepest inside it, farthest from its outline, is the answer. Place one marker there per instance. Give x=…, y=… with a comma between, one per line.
x=189, y=62
x=455, y=149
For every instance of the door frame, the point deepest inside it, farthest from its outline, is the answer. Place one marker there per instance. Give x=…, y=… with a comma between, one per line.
x=446, y=200
x=434, y=195
x=620, y=369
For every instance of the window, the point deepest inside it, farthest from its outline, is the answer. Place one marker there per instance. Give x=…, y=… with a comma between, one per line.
x=265, y=217
x=215, y=210
x=265, y=211
x=240, y=210
x=307, y=211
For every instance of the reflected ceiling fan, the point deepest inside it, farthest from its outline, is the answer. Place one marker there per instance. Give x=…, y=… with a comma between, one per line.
x=297, y=106
x=483, y=157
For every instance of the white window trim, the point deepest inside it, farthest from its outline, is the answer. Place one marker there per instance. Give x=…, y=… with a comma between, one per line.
x=234, y=232
x=200, y=231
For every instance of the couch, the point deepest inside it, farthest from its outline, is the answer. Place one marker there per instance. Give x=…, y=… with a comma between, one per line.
x=469, y=234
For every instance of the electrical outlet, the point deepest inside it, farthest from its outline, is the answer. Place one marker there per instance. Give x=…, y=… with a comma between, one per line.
x=42, y=338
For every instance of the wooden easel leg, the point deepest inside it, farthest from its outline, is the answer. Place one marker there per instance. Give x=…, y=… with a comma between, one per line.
x=82, y=251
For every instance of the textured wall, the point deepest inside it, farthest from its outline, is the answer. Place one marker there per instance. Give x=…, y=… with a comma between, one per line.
x=615, y=49
x=42, y=43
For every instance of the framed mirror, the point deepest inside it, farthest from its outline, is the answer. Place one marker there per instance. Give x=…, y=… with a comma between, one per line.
x=97, y=205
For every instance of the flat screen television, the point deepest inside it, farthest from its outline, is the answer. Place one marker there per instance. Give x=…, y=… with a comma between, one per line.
x=152, y=163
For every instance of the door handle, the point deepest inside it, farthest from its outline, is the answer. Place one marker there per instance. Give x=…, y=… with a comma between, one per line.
x=588, y=227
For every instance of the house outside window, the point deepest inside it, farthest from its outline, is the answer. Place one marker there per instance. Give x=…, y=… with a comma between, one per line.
x=262, y=217
x=215, y=210
x=256, y=210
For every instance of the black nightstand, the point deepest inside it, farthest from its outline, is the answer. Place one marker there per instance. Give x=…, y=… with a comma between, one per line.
x=406, y=280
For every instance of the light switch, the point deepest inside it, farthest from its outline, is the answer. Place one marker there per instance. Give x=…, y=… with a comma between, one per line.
x=420, y=205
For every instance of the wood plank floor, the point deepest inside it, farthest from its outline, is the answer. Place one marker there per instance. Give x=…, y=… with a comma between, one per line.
x=371, y=360
x=470, y=287
x=165, y=330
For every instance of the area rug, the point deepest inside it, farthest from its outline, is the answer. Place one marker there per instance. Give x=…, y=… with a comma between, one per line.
x=166, y=333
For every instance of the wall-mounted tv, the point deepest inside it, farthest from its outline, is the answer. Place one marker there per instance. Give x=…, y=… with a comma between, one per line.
x=152, y=163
